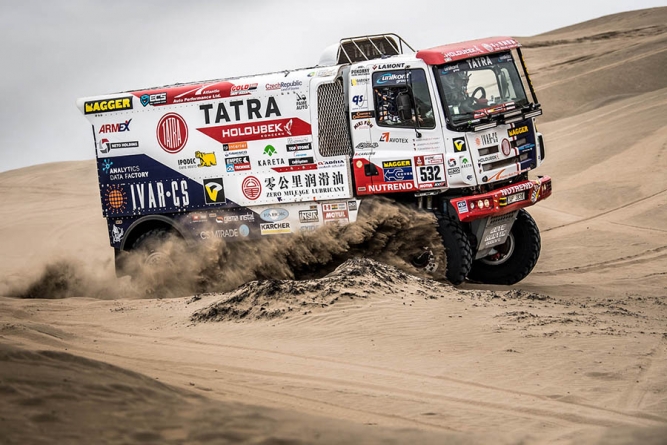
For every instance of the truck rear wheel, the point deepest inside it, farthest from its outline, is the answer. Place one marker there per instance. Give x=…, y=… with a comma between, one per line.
x=151, y=252
x=515, y=259
x=457, y=248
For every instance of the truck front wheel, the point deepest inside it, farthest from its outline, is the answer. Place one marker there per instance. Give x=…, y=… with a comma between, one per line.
x=513, y=260
x=457, y=248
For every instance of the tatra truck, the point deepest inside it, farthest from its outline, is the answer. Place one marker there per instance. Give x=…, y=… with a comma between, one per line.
x=450, y=130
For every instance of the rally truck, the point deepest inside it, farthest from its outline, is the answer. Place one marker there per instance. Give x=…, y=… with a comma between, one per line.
x=449, y=129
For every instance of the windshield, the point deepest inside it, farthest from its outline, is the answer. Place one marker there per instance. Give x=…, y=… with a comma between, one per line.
x=479, y=87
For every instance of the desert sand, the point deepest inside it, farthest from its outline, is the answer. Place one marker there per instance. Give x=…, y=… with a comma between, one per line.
x=576, y=353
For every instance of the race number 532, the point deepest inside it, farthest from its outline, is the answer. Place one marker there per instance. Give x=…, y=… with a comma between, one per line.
x=430, y=173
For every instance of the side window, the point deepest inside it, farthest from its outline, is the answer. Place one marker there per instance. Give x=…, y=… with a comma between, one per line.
x=389, y=85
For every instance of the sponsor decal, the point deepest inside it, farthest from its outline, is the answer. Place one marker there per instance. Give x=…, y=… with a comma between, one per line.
x=301, y=161
x=401, y=163
x=301, y=102
x=206, y=159
x=274, y=215
x=385, y=137
x=506, y=147
x=360, y=101
x=104, y=146
x=451, y=162
x=479, y=62
x=359, y=82
x=107, y=105
x=500, y=45
x=462, y=206
x=251, y=188
x=235, y=146
x=398, y=174
x=517, y=188
x=239, y=90
x=517, y=131
x=388, y=66
x=224, y=219
x=238, y=163
x=488, y=158
x=106, y=165
x=159, y=195
x=284, y=86
x=299, y=147
x=309, y=216
x=115, y=128
x=225, y=233
x=331, y=163
x=301, y=184
x=454, y=171
x=269, y=150
x=273, y=228
x=273, y=129
x=352, y=205
x=299, y=140
x=253, y=110
x=392, y=79
x=487, y=139
x=362, y=145
x=367, y=114
x=391, y=187
x=460, y=145
x=214, y=191
x=270, y=162
x=115, y=199
x=360, y=71
x=117, y=234
x=363, y=125
x=129, y=172
x=335, y=212
x=153, y=99
x=172, y=133
x=199, y=92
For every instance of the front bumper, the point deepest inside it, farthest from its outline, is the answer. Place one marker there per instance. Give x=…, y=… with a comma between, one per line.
x=502, y=200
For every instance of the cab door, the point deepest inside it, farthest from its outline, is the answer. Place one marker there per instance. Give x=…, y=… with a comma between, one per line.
x=410, y=150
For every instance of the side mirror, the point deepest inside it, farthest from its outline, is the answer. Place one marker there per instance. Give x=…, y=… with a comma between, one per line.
x=404, y=106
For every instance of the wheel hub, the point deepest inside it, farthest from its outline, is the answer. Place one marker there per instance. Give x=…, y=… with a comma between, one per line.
x=500, y=253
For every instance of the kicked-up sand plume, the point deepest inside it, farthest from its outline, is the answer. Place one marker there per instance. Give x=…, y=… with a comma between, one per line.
x=307, y=342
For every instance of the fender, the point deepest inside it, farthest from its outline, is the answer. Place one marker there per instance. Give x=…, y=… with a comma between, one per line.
x=175, y=225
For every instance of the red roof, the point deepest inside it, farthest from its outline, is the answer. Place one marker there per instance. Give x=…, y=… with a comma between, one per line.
x=464, y=50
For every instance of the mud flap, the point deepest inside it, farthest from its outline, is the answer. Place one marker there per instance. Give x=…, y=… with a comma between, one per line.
x=492, y=232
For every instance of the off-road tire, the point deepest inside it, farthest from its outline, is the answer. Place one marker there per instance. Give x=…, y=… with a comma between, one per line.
x=527, y=244
x=457, y=248
x=150, y=248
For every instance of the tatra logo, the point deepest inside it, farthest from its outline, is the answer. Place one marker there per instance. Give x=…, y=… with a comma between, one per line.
x=517, y=131
x=403, y=163
x=108, y=105
x=478, y=62
x=253, y=110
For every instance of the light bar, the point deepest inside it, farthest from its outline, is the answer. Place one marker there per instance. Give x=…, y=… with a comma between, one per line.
x=533, y=114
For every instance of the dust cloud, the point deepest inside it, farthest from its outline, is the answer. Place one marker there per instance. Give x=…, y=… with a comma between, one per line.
x=385, y=231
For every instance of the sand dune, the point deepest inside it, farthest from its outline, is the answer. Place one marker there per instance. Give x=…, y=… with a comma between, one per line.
x=576, y=353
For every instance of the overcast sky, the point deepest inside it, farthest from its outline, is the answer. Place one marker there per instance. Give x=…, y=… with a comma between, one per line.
x=55, y=51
